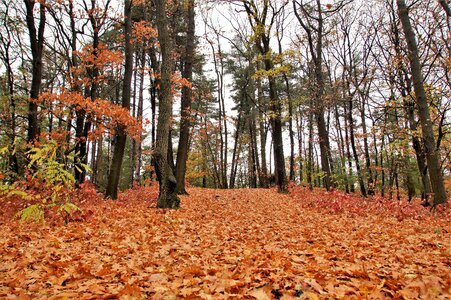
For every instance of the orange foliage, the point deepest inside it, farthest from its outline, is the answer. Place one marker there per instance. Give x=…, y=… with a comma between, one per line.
x=179, y=82
x=108, y=115
x=142, y=31
x=105, y=60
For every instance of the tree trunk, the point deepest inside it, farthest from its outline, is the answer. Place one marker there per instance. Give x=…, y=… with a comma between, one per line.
x=432, y=156
x=354, y=150
x=167, y=197
x=276, y=123
x=121, y=136
x=310, y=151
x=366, y=148
x=37, y=47
x=263, y=180
x=300, y=135
x=408, y=101
x=341, y=150
x=235, y=150
x=139, y=115
x=185, y=114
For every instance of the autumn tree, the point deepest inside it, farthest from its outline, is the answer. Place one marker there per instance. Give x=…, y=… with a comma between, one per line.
x=168, y=195
x=121, y=136
x=311, y=17
x=186, y=98
x=262, y=18
x=36, y=36
x=435, y=174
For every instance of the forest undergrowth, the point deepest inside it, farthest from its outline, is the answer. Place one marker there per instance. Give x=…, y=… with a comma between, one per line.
x=229, y=244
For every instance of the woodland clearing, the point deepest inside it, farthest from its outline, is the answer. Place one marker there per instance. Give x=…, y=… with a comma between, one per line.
x=231, y=244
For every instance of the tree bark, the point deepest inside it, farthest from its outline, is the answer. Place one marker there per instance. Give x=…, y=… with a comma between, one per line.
x=432, y=156
x=37, y=47
x=167, y=197
x=185, y=114
x=257, y=19
x=315, y=44
x=121, y=136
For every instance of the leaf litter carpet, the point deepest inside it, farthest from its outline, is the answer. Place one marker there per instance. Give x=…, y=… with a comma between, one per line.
x=231, y=244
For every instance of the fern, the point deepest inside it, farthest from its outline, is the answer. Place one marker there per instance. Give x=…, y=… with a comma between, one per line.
x=33, y=212
x=68, y=208
x=55, y=181
x=24, y=195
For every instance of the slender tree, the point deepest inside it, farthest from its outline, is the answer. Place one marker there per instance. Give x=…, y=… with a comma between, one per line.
x=262, y=21
x=121, y=136
x=432, y=157
x=313, y=25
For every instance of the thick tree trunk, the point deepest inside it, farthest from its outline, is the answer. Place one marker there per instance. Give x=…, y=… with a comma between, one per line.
x=276, y=123
x=37, y=47
x=406, y=90
x=167, y=197
x=121, y=136
x=432, y=155
x=185, y=114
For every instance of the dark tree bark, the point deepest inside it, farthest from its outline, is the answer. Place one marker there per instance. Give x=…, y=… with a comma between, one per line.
x=121, y=136
x=315, y=44
x=37, y=47
x=185, y=114
x=446, y=8
x=154, y=82
x=409, y=104
x=432, y=155
x=258, y=20
x=167, y=197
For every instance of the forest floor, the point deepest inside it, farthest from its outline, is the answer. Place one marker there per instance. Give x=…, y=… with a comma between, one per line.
x=237, y=244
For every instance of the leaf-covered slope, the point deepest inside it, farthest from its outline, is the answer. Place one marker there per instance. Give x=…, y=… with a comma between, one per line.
x=225, y=243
